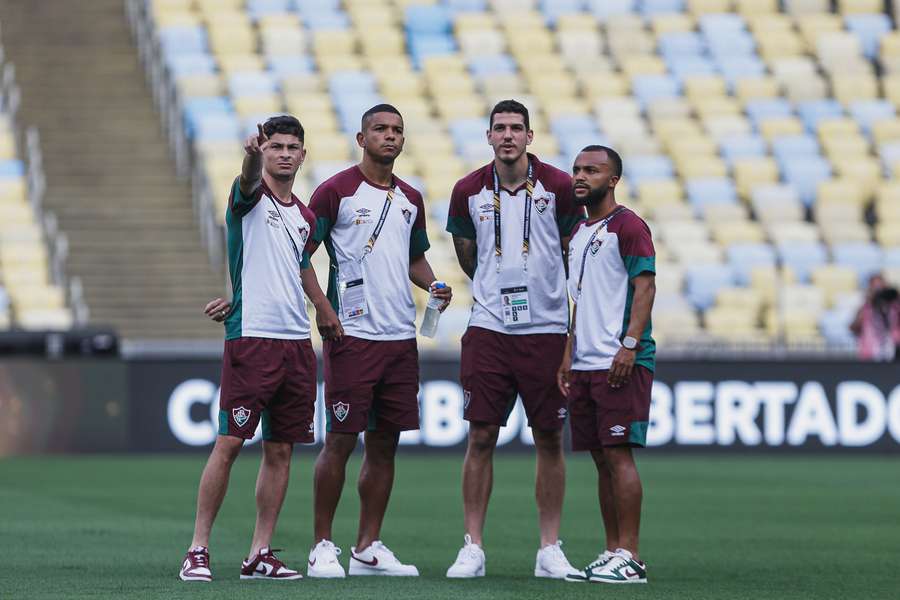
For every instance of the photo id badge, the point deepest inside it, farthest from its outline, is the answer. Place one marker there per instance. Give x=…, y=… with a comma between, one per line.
x=352, y=288
x=514, y=302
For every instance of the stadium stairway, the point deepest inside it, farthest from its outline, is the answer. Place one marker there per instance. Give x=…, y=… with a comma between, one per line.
x=110, y=178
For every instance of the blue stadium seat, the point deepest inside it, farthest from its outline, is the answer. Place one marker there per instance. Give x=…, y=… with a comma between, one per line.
x=687, y=66
x=805, y=173
x=710, y=190
x=291, y=64
x=310, y=7
x=680, y=43
x=802, y=257
x=182, y=39
x=646, y=168
x=466, y=5
x=181, y=65
x=552, y=9
x=869, y=28
x=732, y=44
x=768, y=108
x=574, y=125
x=466, y=131
x=261, y=8
x=485, y=66
x=866, y=112
x=572, y=144
x=813, y=111
x=835, y=326
x=892, y=257
x=787, y=147
x=428, y=20
x=647, y=88
x=704, y=281
x=326, y=21
x=863, y=257
x=12, y=168
x=251, y=83
x=657, y=7
x=738, y=67
x=604, y=9
x=422, y=46
x=890, y=156
x=216, y=127
x=742, y=146
x=195, y=109
x=744, y=257
x=347, y=83
x=721, y=24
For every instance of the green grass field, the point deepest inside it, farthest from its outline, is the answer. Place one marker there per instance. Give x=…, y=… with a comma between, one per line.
x=714, y=527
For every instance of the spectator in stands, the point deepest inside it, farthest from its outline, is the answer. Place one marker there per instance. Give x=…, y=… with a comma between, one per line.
x=877, y=322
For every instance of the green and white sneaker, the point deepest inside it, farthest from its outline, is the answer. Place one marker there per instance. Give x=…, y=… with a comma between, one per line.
x=594, y=567
x=622, y=568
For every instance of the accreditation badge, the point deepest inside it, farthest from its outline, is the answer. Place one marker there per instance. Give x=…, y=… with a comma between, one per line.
x=515, y=305
x=352, y=289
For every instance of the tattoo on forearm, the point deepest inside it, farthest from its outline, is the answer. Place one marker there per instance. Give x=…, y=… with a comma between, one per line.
x=466, y=254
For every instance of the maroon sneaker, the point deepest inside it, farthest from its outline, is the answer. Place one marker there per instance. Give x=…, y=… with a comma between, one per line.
x=196, y=565
x=265, y=565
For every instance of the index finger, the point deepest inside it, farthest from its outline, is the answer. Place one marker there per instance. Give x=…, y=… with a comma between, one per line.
x=262, y=134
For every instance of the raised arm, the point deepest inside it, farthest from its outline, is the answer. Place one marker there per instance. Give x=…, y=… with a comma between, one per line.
x=251, y=170
x=466, y=254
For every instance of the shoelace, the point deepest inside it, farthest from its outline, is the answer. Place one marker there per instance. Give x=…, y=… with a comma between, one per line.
x=270, y=558
x=334, y=549
x=377, y=545
x=200, y=559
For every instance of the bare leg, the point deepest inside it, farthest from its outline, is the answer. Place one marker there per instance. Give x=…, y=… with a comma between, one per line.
x=478, y=477
x=607, y=502
x=329, y=480
x=550, y=483
x=271, y=487
x=213, y=485
x=628, y=493
x=376, y=479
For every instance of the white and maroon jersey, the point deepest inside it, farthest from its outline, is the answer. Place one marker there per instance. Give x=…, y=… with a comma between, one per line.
x=268, y=243
x=347, y=208
x=553, y=214
x=620, y=251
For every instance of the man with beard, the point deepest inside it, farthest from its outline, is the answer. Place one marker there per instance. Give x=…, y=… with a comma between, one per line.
x=373, y=226
x=266, y=329
x=607, y=370
x=510, y=221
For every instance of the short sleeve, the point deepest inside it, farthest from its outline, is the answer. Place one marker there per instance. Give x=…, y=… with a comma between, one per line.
x=238, y=203
x=418, y=237
x=310, y=246
x=636, y=247
x=568, y=213
x=459, y=221
x=324, y=205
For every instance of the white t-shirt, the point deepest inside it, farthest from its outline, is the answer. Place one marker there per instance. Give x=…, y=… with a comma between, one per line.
x=619, y=252
x=347, y=208
x=553, y=215
x=268, y=243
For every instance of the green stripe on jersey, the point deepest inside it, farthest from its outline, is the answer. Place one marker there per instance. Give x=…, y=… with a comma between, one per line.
x=235, y=243
x=461, y=226
x=646, y=354
x=418, y=243
x=635, y=265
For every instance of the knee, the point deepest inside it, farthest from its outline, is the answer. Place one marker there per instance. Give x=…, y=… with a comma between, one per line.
x=227, y=448
x=548, y=442
x=339, y=446
x=483, y=438
x=381, y=448
x=277, y=453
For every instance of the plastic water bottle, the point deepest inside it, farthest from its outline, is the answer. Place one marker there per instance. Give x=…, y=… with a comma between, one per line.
x=432, y=314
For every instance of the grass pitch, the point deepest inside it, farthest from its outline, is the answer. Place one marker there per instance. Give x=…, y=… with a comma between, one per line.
x=714, y=527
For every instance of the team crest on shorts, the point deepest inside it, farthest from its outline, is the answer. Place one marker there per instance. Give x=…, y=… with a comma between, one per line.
x=595, y=246
x=467, y=397
x=241, y=415
x=407, y=214
x=541, y=203
x=341, y=410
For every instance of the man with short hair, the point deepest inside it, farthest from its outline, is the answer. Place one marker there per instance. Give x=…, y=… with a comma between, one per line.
x=373, y=227
x=269, y=368
x=607, y=370
x=510, y=221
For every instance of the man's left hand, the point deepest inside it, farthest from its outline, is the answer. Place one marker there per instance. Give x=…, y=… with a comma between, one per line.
x=622, y=365
x=445, y=293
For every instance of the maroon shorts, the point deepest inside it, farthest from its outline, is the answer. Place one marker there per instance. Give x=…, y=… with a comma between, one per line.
x=498, y=366
x=371, y=385
x=268, y=379
x=604, y=416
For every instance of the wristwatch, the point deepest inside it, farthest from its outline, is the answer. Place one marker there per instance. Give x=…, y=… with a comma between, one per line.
x=629, y=343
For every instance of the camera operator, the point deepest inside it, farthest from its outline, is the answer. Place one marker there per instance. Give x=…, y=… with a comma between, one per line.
x=877, y=323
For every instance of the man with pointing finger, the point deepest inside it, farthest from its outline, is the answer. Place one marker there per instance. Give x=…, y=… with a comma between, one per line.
x=268, y=368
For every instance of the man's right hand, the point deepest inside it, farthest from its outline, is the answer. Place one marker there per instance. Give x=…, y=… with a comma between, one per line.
x=217, y=309
x=328, y=323
x=562, y=376
x=254, y=144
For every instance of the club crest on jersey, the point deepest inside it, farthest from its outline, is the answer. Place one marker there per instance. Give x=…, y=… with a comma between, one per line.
x=274, y=219
x=541, y=203
x=407, y=214
x=240, y=415
x=341, y=410
x=304, y=234
x=595, y=246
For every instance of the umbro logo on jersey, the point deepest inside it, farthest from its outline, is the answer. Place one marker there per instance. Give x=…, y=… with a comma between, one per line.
x=274, y=219
x=362, y=216
x=487, y=207
x=341, y=410
x=562, y=413
x=617, y=430
x=407, y=214
x=595, y=246
x=363, y=212
x=541, y=203
x=240, y=415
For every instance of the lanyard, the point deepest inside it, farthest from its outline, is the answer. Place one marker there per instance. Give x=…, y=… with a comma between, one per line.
x=526, y=228
x=284, y=223
x=370, y=245
x=602, y=225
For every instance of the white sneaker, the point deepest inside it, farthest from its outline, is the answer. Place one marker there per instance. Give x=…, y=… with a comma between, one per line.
x=469, y=562
x=622, y=568
x=323, y=561
x=377, y=559
x=594, y=567
x=551, y=562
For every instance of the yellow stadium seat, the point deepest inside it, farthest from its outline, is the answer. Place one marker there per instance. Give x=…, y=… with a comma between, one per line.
x=852, y=87
x=793, y=231
x=751, y=8
x=480, y=42
x=698, y=87
x=766, y=21
x=724, y=212
x=611, y=85
x=302, y=83
x=733, y=324
x=460, y=107
x=669, y=210
x=842, y=232
x=697, y=252
x=889, y=51
x=726, y=126
x=864, y=171
x=751, y=172
x=841, y=191
x=378, y=43
x=332, y=42
x=737, y=232
x=755, y=88
x=849, y=7
x=402, y=84
x=194, y=86
x=658, y=191
x=575, y=22
x=642, y=64
x=837, y=147
x=812, y=26
x=248, y=106
x=665, y=108
x=886, y=130
x=702, y=7
x=888, y=234
x=691, y=167
x=233, y=63
x=833, y=211
x=692, y=145
x=746, y=298
x=834, y=280
x=806, y=89
x=675, y=232
x=722, y=106
x=336, y=63
x=780, y=126
x=892, y=275
x=670, y=23
x=450, y=84
x=282, y=41
x=504, y=84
